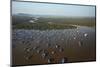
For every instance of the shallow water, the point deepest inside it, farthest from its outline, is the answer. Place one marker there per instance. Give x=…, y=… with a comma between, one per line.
x=38, y=46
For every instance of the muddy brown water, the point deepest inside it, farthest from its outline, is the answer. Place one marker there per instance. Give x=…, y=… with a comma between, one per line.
x=51, y=46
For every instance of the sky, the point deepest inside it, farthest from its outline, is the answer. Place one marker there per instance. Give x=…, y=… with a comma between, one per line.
x=53, y=9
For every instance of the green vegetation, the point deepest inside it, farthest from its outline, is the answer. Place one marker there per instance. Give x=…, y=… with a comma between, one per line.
x=90, y=22
x=42, y=26
x=21, y=21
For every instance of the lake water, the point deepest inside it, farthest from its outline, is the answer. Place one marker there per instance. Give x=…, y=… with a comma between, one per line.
x=52, y=46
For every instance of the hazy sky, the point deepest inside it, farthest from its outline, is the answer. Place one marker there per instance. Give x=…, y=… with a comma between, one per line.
x=53, y=9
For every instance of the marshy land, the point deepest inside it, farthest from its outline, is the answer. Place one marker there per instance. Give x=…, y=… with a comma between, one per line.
x=50, y=39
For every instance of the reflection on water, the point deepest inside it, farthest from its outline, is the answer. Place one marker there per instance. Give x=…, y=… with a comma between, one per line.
x=53, y=46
